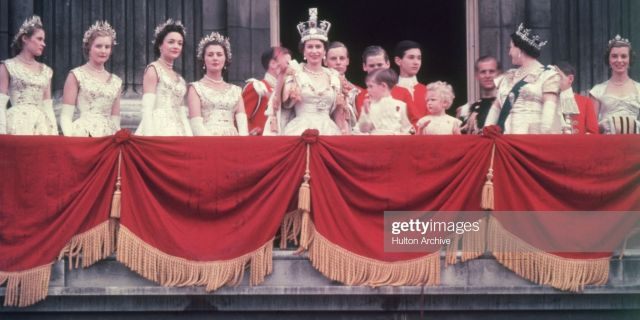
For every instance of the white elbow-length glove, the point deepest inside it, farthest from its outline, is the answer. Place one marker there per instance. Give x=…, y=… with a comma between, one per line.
x=243, y=126
x=66, y=119
x=4, y=99
x=197, y=126
x=148, y=103
x=550, y=120
x=116, y=120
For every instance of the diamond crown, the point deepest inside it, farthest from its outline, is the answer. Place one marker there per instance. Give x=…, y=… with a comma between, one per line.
x=532, y=39
x=312, y=30
x=165, y=24
x=100, y=26
x=619, y=40
x=28, y=25
x=215, y=37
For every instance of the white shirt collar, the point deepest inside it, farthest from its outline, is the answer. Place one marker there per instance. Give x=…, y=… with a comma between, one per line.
x=408, y=82
x=270, y=79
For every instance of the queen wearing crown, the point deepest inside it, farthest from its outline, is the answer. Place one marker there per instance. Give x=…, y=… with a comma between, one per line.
x=93, y=89
x=308, y=96
x=27, y=83
x=527, y=100
x=163, y=109
x=214, y=105
x=617, y=100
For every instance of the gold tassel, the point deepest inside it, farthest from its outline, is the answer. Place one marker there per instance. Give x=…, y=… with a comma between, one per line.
x=304, y=205
x=304, y=194
x=488, y=197
x=116, y=201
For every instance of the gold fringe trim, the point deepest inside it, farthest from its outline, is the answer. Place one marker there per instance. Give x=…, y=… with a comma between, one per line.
x=451, y=253
x=541, y=267
x=488, y=196
x=338, y=264
x=93, y=245
x=474, y=244
x=25, y=288
x=171, y=271
x=117, y=194
x=290, y=228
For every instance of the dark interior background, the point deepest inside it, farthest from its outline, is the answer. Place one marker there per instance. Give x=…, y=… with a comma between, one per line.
x=439, y=26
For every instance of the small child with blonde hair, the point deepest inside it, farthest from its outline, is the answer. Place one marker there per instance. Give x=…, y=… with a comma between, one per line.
x=439, y=98
x=381, y=113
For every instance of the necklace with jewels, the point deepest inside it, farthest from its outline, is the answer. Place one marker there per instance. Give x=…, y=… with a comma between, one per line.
x=25, y=61
x=166, y=64
x=315, y=73
x=212, y=80
x=619, y=83
x=94, y=69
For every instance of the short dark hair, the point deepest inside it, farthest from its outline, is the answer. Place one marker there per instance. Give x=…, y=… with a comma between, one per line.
x=371, y=51
x=338, y=44
x=525, y=46
x=485, y=59
x=162, y=34
x=566, y=68
x=403, y=46
x=380, y=76
x=271, y=54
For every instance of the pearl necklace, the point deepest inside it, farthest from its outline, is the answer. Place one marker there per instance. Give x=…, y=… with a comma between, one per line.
x=166, y=64
x=619, y=84
x=212, y=80
x=94, y=69
x=315, y=73
x=25, y=61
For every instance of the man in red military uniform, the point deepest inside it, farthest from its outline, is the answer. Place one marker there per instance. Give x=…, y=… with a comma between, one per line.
x=578, y=111
x=408, y=58
x=375, y=57
x=256, y=93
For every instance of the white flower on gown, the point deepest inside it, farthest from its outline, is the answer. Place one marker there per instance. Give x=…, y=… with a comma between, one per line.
x=169, y=115
x=95, y=101
x=218, y=108
x=28, y=116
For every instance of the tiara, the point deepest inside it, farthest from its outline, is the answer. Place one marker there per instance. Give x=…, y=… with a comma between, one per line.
x=165, y=24
x=619, y=40
x=28, y=25
x=311, y=30
x=532, y=39
x=217, y=38
x=100, y=26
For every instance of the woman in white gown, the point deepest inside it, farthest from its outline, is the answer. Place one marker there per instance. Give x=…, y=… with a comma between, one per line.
x=310, y=95
x=27, y=83
x=215, y=105
x=163, y=109
x=617, y=100
x=91, y=88
x=527, y=100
